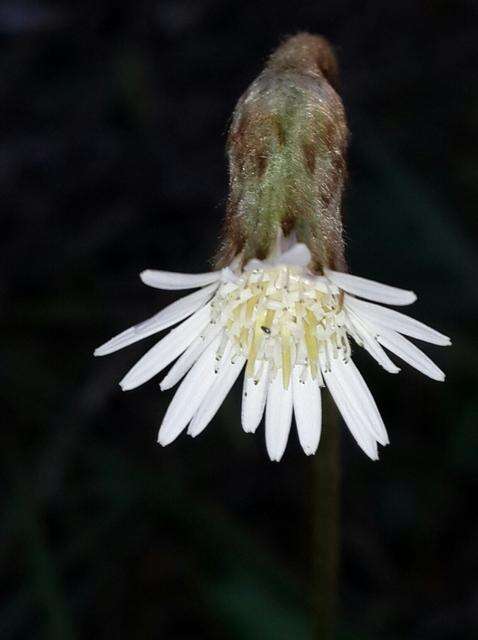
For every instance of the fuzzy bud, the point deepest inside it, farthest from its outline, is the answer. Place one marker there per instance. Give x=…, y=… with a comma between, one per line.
x=286, y=150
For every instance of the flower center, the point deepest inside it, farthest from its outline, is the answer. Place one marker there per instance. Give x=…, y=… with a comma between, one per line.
x=281, y=317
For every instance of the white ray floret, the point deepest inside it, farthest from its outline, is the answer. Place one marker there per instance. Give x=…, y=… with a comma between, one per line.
x=307, y=408
x=177, y=281
x=166, y=318
x=217, y=393
x=190, y=394
x=370, y=289
x=292, y=330
x=278, y=418
x=391, y=319
x=166, y=350
x=254, y=395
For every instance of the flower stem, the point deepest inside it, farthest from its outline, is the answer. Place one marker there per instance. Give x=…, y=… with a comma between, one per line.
x=326, y=525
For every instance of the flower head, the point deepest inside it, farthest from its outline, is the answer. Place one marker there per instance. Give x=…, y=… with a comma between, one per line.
x=280, y=304
x=291, y=331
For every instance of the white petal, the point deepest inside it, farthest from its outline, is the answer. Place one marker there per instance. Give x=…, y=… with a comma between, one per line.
x=215, y=397
x=254, y=394
x=228, y=275
x=171, y=280
x=407, y=351
x=361, y=399
x=188, y=358
x=298, y=255
x=370, y=289
x=307, y=409
x=362, y=435
x=189, y=395
x=397, y=321
x=278, y=417
x=170, y=315
x=166, y=350
x=254, y=263
x=370, y=344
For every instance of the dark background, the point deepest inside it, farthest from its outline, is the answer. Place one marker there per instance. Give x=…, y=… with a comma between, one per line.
x=113, y=119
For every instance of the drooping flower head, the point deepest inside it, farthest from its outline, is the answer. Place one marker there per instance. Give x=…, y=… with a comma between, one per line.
x=280, y=305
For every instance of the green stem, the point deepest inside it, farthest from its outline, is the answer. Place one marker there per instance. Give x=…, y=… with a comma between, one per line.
x=326, y=525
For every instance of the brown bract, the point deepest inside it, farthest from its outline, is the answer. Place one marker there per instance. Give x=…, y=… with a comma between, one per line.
x=286, y=150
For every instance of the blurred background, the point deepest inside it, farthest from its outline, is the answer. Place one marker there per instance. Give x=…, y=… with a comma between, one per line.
x=113, y=119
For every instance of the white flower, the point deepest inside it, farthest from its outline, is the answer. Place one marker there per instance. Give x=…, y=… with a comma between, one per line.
x=292, y=331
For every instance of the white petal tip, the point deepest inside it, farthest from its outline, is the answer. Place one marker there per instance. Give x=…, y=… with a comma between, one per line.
x=373, y=455
x=164, y=439
x=273, y=456
x=436, y=374
x=439, y=339
x=276, y=456
x=249, y=427
x=144, y=275
x=127, y=385
x=406, y=298
x=101, y=351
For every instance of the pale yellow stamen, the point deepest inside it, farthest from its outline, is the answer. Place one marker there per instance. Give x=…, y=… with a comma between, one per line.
x=286, y=362
x=283, y=317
